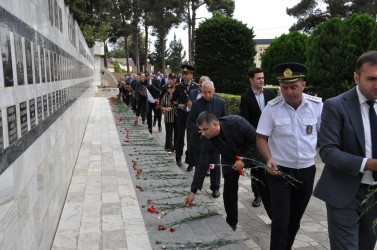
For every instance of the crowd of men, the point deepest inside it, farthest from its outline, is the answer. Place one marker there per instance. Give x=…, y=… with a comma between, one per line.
x=276, y=137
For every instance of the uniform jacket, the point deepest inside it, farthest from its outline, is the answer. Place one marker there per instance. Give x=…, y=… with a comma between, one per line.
x=182, y=97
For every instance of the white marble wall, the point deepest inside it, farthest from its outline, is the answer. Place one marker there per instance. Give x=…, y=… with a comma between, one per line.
x=33, y=187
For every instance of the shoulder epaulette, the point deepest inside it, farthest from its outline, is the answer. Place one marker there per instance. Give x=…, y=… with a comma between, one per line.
x=275, y=100
x=313, y=98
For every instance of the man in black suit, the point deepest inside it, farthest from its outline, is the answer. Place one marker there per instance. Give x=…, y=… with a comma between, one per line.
x=349, y=150
x=182, y=100
x=230, y=136
x=146, y=102
x=149, y=80
x=211, y=103
x=252, y=105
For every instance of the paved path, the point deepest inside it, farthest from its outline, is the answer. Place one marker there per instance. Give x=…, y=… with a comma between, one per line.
x=103, y=210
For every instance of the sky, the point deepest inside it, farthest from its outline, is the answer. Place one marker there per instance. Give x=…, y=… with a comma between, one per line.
x=267, y=17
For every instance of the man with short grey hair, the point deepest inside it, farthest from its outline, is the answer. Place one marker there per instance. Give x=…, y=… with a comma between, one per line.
x=213, y=104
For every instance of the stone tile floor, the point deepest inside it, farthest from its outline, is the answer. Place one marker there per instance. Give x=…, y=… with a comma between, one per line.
x=102, y=210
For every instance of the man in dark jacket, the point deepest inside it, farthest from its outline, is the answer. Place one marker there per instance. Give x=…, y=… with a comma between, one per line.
x=252, y=105
x=229, y=136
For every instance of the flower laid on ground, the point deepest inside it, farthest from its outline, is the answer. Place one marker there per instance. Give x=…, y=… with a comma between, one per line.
x=158, y=242
x=172, y=229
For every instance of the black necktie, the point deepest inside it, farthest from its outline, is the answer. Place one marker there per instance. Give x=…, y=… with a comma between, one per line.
x=373, y=132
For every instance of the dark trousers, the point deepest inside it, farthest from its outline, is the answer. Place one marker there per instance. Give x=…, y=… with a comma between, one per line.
x=181, y=131
x=288, y=204
x=157, y=114
x=230, y=197
x=348, y=229
x=149, y=115
x=261, y=187
x=169, y=129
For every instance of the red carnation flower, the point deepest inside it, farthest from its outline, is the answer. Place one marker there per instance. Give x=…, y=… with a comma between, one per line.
x=158, y=242
x=172, y=229
x=238, y=158
x=241, y=172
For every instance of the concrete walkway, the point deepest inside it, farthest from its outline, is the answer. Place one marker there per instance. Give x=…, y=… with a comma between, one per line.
x=102, y=210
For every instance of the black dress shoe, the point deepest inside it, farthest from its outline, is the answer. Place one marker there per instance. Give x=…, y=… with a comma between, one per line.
x=179, y=162
x=159, y=128
x=189, y=168
x=234, y=227
x=154, y=123
x=256, y=202
x=150, y=131
x=216, y=194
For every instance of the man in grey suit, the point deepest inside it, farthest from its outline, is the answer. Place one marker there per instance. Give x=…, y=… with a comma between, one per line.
x=349, y=151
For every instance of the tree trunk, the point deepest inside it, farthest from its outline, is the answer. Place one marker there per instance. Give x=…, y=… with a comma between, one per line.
x=136, y=41
x=105, y=55
x=193, y=33
x=146, y=47
x=189, y=31
x=127, y=55
x=163, y=52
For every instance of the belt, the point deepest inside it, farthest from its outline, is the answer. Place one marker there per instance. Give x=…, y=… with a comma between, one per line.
x=367, y=186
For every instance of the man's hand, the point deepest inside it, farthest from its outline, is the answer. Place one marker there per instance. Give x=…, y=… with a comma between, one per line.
x=273, y=168
x=238, y=165
x=136, y=121
x=181, y=106
x=189, y=199
x=189, y=104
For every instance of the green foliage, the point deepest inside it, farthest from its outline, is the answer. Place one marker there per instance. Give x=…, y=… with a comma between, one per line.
x=117, y=53
x=224, y=51
x=117, y=67
x=286, y=48
x=232, y=103
x=174, y=55
x=156, y=56
x=332, y=51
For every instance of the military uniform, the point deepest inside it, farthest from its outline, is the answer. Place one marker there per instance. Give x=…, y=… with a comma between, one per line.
x=181, y=98
x=292, y=139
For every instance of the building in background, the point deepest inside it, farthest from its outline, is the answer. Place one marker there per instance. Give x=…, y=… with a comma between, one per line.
x=262, y=45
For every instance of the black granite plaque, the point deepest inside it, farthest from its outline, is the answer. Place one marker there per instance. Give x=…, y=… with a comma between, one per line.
x=50, y=103
x=53, y=101
x=19, y=59
x=48, y=65
x=12, y=124
x=51, y=12
x=29, y=62
x=39, y=108
x=32, y=113
x=23, y=116
x=1, y=133
x=6, y=57
x=43, y=71
x=60, y=20
x=58, y=99
x=52, y=64
x=45, y=112
x=36, y=63
x=56, y=14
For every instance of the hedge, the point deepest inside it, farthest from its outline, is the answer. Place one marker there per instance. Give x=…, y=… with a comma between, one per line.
x=232, y=102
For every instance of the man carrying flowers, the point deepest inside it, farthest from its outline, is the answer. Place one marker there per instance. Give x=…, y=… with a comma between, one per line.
x=229, y=136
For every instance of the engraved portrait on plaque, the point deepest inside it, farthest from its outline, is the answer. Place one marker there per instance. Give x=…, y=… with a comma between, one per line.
x=12, y=124
x=47, y=52
x=39, y=108
x=36, y=63
x=23, y=117
x=50, y=103
x=52, y=64
x=19, y=59
x=29, y=62
x=45, y=106
x=32, y=113
x=53, y=101
x=43, y=72
x=1, y=134
x=6, y=57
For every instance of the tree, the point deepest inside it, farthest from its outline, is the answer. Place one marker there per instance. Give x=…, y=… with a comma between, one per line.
x=332, y=51
x=287, y=48
x=117, y=53
x=165, y=15
x=156, y=56
x=174, y=55
x=225, y=7
x=92, y=17
x=225, y=51
x=310, y=13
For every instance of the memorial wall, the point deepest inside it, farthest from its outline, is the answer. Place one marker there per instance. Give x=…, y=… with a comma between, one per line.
x=46, y=95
